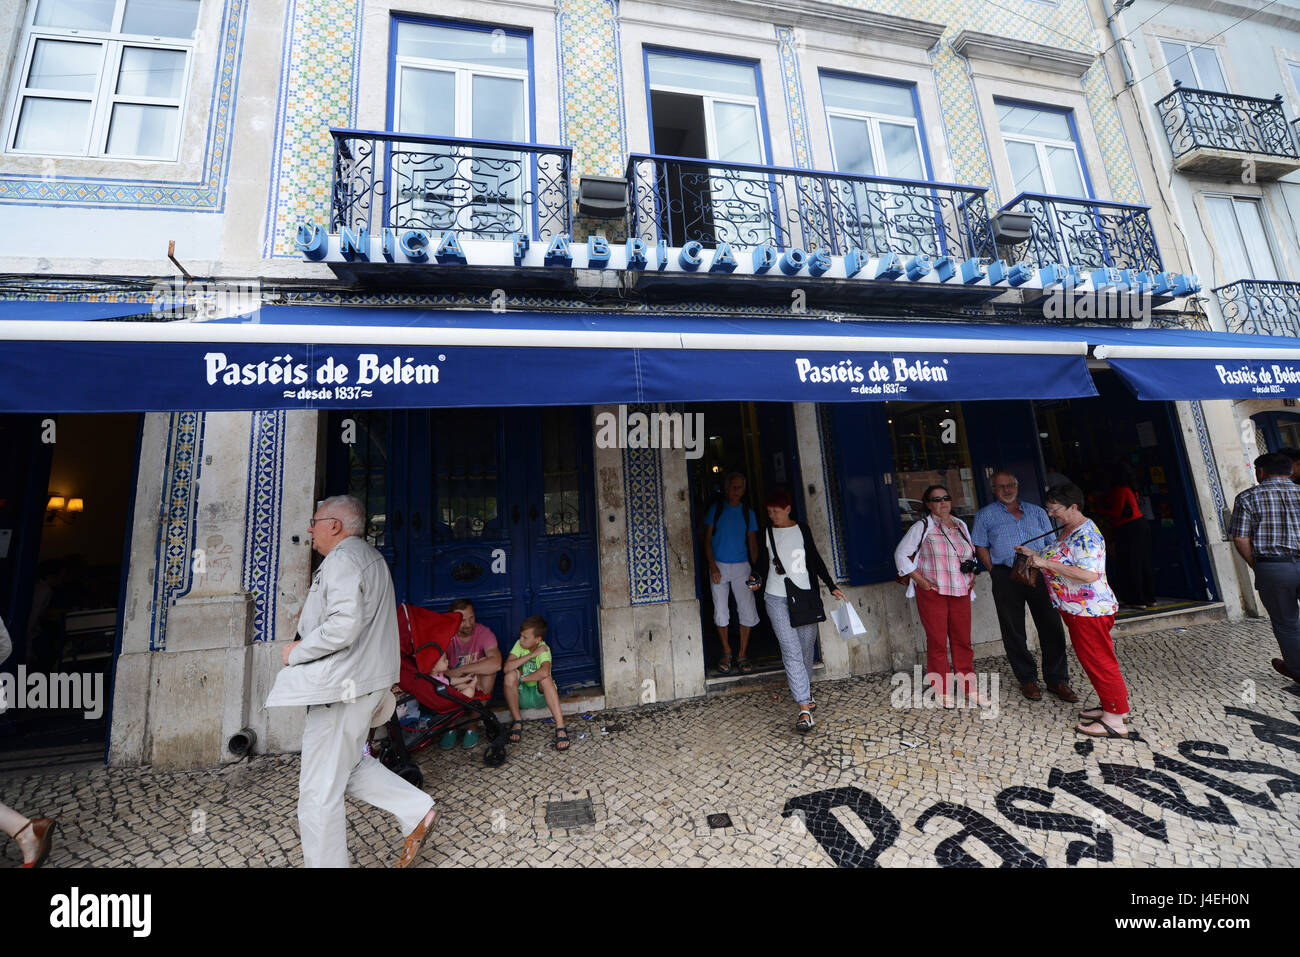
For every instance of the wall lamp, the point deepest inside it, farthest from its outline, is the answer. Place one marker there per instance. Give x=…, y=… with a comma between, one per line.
x=64, y=509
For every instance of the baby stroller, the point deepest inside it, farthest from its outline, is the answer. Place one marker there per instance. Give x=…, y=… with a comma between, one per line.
x=424, y=637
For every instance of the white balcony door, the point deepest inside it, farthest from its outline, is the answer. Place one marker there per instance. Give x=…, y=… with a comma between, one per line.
x=710, y=110
x=1044, y=158
x=472, y=85
x=1241, y=239
x=874, y=132
x=1194, y=66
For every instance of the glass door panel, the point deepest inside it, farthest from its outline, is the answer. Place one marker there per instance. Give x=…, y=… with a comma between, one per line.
x=500, y=178
x=742, y=199
x=429, y=191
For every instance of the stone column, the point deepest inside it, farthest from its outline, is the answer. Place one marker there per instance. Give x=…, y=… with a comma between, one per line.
x=651, y=646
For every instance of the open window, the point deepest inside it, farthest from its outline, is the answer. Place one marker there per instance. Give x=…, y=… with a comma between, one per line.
x=709, y=108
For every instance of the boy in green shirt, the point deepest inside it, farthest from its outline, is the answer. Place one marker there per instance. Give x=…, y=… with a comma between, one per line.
x=528, y=679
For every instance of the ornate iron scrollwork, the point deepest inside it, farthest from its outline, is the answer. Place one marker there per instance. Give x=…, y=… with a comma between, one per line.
x=476, y=187
x=1261, y=308
x=746, y=205
x=1086, y=233
x=1205, y=119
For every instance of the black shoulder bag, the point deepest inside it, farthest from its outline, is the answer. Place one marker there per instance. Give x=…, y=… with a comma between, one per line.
x=804, y=604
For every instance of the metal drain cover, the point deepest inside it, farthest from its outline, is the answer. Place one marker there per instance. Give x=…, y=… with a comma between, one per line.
x=567, y=815
x=719, y=820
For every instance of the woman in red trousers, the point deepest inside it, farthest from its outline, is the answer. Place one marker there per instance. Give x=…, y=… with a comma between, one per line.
x=1075, y=568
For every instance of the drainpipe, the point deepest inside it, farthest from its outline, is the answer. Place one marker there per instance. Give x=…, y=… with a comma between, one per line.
x=1112, y=22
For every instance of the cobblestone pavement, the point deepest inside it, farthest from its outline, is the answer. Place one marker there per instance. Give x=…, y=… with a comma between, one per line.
x=1214, y=781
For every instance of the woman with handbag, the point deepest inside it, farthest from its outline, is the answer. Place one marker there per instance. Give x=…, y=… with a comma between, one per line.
x=936, y=561
x=1075, y=568
x=794, y=605
x=32, y=834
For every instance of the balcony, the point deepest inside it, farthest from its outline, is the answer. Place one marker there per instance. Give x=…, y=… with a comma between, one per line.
x=482, y=189
x=1260, y=307
x=1227, y=134
x=679, y=200
x=1085, y=233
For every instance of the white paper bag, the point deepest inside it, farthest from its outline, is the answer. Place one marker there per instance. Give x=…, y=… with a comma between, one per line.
x=847, y=622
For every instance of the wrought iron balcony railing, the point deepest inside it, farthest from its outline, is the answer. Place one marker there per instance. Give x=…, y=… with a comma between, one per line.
x=1265, y=308
x=681, y=200
x=1203, y=125
x=1086, y=233
x=481, y=188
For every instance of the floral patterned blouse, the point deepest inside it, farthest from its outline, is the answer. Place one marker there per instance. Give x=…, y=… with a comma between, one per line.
x=1083, y=548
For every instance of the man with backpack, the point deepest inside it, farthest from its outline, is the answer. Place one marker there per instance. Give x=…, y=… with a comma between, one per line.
x=730, y=546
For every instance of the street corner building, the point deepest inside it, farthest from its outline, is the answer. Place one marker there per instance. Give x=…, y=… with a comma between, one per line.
x=531, y=279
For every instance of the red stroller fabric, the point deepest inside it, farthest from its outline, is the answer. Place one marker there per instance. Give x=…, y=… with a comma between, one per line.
x=424, y=636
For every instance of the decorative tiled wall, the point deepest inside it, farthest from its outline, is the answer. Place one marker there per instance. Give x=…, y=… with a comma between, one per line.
x=173, y=560
x=318, y=86
x=262, y=528
x=1211, y=464
x=205, y=195
x=787, y=44
x=646, y=523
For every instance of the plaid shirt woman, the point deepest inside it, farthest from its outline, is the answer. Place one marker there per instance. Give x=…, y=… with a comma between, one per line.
x=931, y=554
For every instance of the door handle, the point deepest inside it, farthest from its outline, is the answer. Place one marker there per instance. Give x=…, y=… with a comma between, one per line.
x=514, y=515
x=397, y=520
x=416, y=523
x=532, y=513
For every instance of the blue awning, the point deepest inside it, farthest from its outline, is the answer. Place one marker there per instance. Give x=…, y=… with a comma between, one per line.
x=61, y=311
x=1169, y=364
x=308, y=357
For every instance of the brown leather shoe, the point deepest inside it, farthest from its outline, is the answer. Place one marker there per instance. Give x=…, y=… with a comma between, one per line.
x=415, y=840
x=1063, y=692
x=1031, y=690
x=1280, y=667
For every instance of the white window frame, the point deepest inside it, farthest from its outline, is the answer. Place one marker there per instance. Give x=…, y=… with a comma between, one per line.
x=464, y=79
x=1187, y=46
x=1040, y=145
x=873, y=121
x=104, y=97
x=463, y=74
x=710, y=121
x=1266, y=224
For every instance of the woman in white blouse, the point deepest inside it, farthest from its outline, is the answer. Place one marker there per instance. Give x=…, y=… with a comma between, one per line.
x=798, y=556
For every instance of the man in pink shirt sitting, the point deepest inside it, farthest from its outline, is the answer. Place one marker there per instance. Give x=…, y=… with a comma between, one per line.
x=473, y=651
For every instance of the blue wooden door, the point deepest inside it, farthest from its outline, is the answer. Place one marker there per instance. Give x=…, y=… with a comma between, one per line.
x=499, y=506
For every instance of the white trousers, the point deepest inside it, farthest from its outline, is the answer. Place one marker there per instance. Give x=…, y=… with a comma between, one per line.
x=734, y=575
x=333, y=765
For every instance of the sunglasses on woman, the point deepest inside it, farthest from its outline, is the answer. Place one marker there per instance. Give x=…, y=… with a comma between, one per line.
x=941, y=498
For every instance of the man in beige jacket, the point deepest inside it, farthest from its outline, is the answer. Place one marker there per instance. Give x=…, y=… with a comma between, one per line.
x=342, y=668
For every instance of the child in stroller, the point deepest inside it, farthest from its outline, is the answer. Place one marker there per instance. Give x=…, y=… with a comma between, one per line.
x=424, y=637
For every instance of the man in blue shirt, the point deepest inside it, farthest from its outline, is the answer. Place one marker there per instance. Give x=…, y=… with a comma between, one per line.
x=730, y=546
x=998, y=529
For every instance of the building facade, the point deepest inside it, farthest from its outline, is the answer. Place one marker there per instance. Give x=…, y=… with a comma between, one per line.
x=303, y=163
x=1215, y=89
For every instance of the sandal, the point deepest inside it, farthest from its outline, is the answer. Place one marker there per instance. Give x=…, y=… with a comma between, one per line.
x=743, y=663
x=812, y=704
x=43, y=830
x=805, y=722
x=1106, y=732
x=516, y=732
x=1087, y=715
x=724, y=664
x=561, y=740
